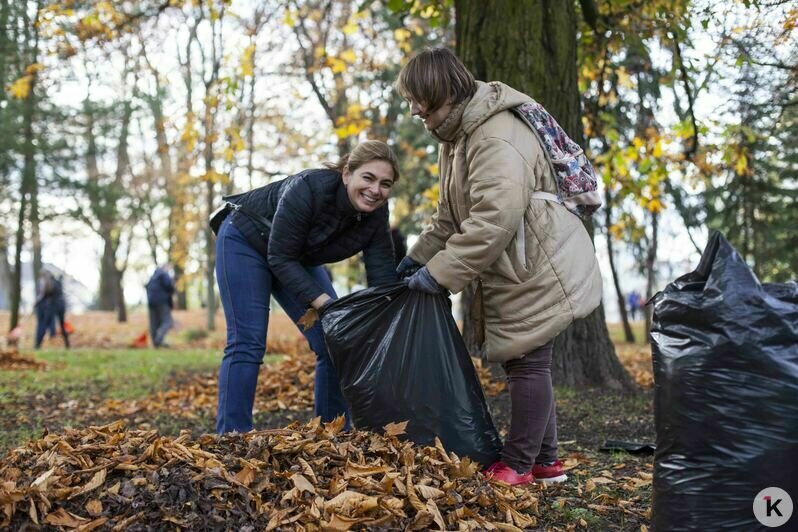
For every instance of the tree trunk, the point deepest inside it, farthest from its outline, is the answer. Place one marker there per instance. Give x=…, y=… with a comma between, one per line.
x=5, y=268
x=35, y=232
x=627, y=329
x=121, y=305
x=109, y=290
x=28, y=170
x=651, y=268
x=210, y=202
x=531, y=46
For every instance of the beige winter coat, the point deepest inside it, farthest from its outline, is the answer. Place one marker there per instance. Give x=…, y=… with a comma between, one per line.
x=533, y=257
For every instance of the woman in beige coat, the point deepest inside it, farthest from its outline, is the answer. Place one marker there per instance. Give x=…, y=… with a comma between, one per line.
x=533, y=258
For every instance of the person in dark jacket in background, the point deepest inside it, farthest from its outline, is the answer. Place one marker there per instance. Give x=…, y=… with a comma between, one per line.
x=44, y=305
x=275, y=242
x=160, y=289
x=59, y=309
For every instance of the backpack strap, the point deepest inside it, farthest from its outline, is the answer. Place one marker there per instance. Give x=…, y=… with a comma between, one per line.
x=548, y=196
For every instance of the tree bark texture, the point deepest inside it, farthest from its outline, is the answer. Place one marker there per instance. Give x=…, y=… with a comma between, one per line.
x=531, y=46
x=627, y=328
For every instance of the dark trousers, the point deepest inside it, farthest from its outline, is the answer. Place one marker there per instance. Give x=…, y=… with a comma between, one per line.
x=533, y=420
x=160, y=322
x=245, y=286
x=44, y=322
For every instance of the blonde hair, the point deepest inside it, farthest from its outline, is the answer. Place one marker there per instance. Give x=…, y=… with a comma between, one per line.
x=434, y=77
x=365, y=152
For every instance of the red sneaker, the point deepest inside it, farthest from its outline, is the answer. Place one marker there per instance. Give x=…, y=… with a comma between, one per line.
x=552, y=472
x=504, y=473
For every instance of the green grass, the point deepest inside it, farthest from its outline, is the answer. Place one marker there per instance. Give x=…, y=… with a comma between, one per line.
x=638, y=329
x=122, y=373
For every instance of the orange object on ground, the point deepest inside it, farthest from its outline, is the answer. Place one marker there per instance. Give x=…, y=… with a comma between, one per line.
x=68, y=328
x=140, y=341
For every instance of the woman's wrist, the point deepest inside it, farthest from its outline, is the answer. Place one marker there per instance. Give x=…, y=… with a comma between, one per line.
x=320, y=301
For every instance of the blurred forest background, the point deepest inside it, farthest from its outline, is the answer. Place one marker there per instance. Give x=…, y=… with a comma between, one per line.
x=123, y=123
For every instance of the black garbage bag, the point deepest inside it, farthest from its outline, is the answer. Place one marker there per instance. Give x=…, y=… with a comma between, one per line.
x=400, y=357
x=725, y=351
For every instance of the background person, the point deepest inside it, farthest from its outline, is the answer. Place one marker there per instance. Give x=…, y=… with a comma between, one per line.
x=160, y=289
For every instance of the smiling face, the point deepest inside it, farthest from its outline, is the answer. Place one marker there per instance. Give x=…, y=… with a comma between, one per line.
x=369, y=186
x=431, y=119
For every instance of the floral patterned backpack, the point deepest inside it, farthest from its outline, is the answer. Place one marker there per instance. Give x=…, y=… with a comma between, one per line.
x=577, y=184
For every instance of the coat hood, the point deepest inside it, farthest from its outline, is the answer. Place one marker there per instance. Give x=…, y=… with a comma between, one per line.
x=490, y=99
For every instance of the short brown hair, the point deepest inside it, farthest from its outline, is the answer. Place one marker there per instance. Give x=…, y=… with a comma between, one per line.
x=435, y=77
x=365, y=152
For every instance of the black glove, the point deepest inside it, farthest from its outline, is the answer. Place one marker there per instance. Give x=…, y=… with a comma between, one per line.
x=423, y=281
x=407, y=267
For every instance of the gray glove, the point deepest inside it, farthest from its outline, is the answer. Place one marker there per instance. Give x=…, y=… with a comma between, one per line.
x=407, y=267
x=423, y=281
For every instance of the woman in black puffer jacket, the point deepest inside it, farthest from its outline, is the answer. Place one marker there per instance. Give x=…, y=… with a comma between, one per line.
x=274, y=243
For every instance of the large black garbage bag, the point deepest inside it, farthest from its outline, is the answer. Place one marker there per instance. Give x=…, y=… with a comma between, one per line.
x=400, y=357
x=725, y=351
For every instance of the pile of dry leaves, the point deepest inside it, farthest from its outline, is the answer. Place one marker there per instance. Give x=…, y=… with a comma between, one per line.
x=286, y=385
x=311, y=477
x=11, y=359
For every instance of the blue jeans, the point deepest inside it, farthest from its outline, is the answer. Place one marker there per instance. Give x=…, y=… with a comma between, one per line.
x=245, y=286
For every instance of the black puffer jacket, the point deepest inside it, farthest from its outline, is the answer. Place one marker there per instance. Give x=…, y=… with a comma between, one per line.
x=314, y=223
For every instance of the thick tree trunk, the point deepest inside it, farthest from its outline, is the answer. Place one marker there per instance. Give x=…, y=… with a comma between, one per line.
x=531, y=46
x=627, y=328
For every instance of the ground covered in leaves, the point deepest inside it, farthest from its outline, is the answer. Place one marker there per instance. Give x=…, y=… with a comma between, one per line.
x=149, y=462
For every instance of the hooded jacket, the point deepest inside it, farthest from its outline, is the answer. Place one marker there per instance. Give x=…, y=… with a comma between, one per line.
x=534, y=259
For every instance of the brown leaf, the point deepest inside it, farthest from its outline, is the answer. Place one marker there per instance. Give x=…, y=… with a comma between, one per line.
x=507, y=527
x=464, y=469
x=302, y=484
x=340, y=523
x=422, y=520
x=34, y=515
x=395, y=429
x=96, y=481
x=602, y=480
x=94, y=507
x=432, y=508
x=357, y=470
x=246, y=476
x=429, y=492
x=91, y=525
x=415, y=502
x=42, y=481
x=308, y=319
x=63, y=518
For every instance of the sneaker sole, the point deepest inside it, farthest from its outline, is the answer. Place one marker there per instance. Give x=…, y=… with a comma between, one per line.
x=552, y=480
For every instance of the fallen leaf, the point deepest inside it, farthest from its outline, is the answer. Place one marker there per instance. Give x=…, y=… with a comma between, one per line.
x=63, y=518
x=302, y=484
x=340, y=523
x=96, y=481
x=429, y=492
x=395, y=429
x=94, y=507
